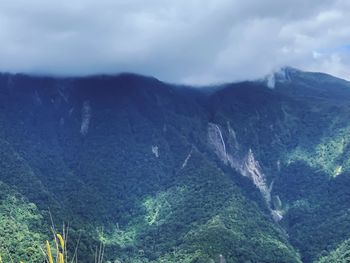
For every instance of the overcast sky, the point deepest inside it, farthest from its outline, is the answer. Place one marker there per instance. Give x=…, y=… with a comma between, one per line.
x=182, y=41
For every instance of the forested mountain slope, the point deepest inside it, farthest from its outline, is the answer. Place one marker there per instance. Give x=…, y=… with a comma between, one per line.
x=253, y=171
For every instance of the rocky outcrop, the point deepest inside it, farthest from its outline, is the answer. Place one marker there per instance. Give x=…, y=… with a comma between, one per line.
x=247, y=165
x=155, y=150
x=85, y=118
x=216, y=140
x=184, y=164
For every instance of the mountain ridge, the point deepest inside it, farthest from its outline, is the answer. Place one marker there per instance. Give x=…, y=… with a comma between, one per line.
x=164, y=168
x=285, y=70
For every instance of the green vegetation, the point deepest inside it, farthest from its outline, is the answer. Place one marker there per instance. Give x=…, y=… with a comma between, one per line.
x=330, y=155
x=144, y=182
x=339, y=255
x=21, y=228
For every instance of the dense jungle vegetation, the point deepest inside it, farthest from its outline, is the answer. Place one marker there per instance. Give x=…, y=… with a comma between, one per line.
x=164, y=173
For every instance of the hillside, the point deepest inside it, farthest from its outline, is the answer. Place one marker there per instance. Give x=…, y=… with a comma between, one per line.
x=253, y=171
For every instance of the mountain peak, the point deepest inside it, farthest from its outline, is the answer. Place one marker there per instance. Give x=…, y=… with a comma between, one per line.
x=285, y=75
x=282, y=75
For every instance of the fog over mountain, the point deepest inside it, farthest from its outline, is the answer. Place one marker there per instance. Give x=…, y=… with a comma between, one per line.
x=179, y=41
x=174, y=131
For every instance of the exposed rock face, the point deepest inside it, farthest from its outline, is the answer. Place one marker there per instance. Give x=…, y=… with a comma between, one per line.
x=247, y=166
x=251, y=168
x=85, y=118
x=216, y=140
x=155, y=151
x=277, y=215
x=187, y=159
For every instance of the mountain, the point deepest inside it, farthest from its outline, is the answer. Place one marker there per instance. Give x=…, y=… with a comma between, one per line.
x=246, y=172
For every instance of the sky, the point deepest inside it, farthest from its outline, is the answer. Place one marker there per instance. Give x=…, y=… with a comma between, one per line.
x=196, y=42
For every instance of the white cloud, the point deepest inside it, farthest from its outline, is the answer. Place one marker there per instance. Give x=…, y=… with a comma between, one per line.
x=190, y=41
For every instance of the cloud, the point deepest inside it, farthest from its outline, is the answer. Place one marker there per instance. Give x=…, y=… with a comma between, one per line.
x=183, y=41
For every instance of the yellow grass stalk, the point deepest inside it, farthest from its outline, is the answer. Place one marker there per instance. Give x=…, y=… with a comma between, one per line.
x=61, y=258
x=49, y=254
x=60, y=238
